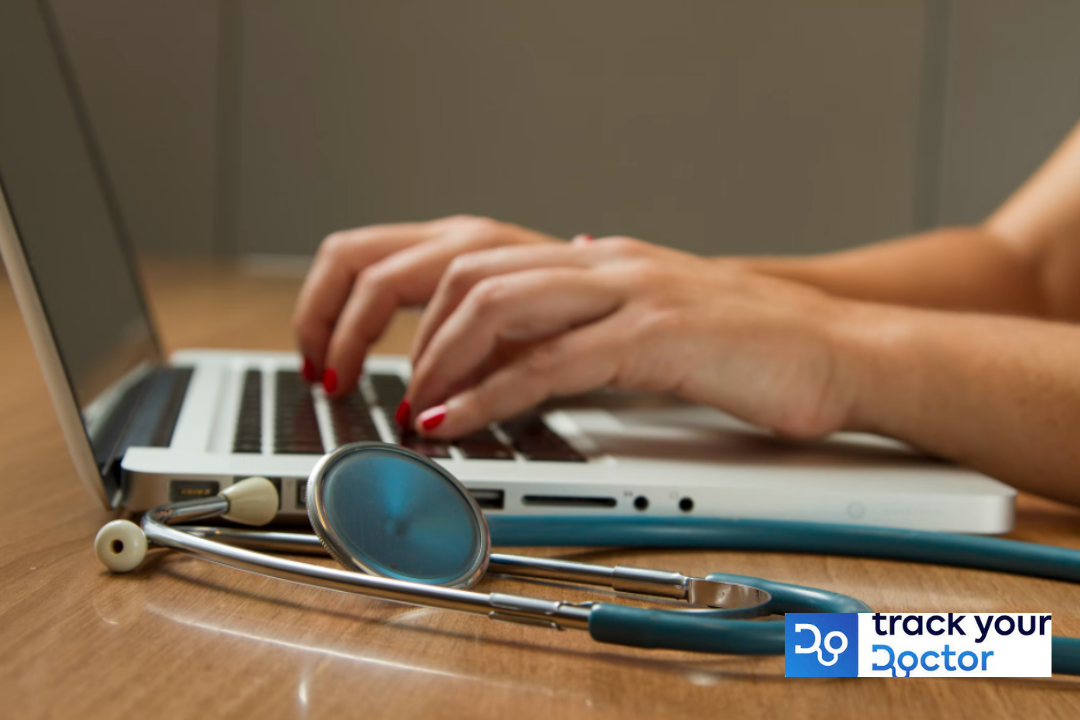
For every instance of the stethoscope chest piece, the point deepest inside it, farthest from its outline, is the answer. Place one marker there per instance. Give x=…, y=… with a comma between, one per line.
x=385, y=510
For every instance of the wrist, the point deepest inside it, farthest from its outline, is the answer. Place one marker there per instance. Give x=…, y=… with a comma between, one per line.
x=812, y=271
x=875, y=363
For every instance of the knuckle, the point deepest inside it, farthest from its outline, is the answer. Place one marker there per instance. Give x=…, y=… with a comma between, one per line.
x=639, y=275
x=377, y=279
x=461, y=271
x=482, y=229
x=625, y=246
x=459, y=219
x=544, y=359
x=488, y=295
x=335, y=244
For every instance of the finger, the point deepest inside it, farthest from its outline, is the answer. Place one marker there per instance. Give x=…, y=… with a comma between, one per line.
x=526, y=306
x=408, y=277
x=578, y=361
x=468, y=270
x=340, y=259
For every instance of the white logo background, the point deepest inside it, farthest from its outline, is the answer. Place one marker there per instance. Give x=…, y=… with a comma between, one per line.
x=1014, y=655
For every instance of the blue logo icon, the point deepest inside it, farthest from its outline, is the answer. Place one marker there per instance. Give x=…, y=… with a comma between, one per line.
x=821, y=645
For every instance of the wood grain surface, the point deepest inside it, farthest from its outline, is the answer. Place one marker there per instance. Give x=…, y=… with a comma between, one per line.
x=185, y=638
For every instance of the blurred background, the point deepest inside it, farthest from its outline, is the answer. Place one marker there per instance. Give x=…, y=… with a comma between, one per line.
x=257, y=127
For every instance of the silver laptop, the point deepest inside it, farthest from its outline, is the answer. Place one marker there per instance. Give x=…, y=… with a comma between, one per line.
x=143, y=430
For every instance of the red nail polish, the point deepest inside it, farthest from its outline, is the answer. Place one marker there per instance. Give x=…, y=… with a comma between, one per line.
x=587, y=237
x=403, y=414
x=329, y=380
x=431, y=419
x=308, y=371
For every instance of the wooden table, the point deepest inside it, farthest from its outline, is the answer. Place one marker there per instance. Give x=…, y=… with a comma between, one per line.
x=185, y=638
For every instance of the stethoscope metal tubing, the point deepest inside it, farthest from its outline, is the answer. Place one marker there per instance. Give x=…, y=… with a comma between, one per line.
x=497, y=606
x=633, y=580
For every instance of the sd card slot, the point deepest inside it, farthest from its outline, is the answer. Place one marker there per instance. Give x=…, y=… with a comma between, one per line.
x=564, y=501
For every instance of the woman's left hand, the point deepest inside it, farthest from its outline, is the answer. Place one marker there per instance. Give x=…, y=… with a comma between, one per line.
x=511, y=327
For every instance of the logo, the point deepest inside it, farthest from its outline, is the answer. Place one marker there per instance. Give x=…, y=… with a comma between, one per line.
x=821, y=645
x=917, y=645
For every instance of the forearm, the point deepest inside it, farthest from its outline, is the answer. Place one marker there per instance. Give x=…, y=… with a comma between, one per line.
x=1001, y=395
x=950, y=269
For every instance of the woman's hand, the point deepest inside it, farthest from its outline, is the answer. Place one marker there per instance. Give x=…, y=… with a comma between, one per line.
x=510, y=327
x=360, y=277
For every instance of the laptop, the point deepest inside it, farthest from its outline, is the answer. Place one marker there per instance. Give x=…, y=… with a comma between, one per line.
x=144, y=429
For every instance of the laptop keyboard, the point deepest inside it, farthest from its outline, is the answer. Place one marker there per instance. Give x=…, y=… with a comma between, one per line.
x=296, y=426
x=248, y=438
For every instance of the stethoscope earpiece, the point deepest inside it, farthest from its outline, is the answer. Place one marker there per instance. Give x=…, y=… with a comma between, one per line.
x=120, y=546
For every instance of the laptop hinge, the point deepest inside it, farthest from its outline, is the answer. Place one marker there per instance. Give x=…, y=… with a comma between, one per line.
x=145, y=417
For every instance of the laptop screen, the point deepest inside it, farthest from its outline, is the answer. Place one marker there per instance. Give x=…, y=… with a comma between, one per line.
x=63, y=216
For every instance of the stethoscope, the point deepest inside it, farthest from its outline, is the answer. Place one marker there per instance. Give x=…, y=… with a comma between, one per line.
x=406, y=530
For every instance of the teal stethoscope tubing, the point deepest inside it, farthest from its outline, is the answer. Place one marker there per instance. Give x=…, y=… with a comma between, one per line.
x=614, y=623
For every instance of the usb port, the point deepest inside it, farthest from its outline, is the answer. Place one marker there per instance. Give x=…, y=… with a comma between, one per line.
x=489, y=499
x=301, y=493
x=192, y=489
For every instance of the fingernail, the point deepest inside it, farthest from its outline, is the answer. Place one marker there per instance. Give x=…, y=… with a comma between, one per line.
x=329, y=380
x=403, y=414
x=583, y=239
x=431, y=419
x=308, y=371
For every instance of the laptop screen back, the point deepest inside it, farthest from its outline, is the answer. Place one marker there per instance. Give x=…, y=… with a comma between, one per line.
x=60, y=206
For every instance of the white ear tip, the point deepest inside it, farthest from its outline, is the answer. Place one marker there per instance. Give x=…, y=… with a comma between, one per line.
x=120, y=546
x=253, y=501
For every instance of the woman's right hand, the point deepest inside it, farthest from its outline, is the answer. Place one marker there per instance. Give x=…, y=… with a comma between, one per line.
x=360, y=277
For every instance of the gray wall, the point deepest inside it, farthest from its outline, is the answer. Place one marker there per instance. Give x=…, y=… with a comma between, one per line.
x=737, y=127
x=715, y=126
x=148, y=71
x=1014, y=93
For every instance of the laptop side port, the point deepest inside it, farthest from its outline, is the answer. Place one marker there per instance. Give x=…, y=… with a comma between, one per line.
x=568, y=501
x=301, y=493
x=192, y=489
x=489, y=499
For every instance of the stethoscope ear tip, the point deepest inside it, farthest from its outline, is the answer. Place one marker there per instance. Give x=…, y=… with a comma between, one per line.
x=120, y=546
x=253, y=501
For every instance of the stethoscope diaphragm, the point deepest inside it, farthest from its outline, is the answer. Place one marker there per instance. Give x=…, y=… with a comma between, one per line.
x=386, y=510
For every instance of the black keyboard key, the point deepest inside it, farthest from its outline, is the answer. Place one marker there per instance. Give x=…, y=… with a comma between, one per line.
x=531, y=437
x=296, y=429
x=483, y=445
x=485, y=451
x=552, y=454
x=351, y=420
x=248, y=438
x=422, y=445
x=480, y=436
x=389, y=391
x=301, y=449
x=430, y=448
